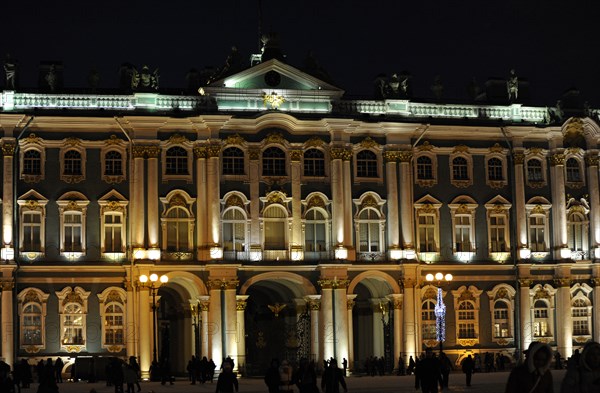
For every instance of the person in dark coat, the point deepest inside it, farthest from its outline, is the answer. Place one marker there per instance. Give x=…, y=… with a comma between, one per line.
x=411, y=366
x=136, y=367
x=332, y=378
x=468, y=365
x=429, y=373
x=305, y=377
x=533, y=376
x=586, y=377
x=445, y=367
x=227, y=381
x=58, y=366
x=272, y=378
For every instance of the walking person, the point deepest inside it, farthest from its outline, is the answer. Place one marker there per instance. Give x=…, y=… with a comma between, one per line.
x=272, y=378
x=58, y=366
x=136, y=368
x=429, y=372
x=533, y=376
x=468, y=365
x=332, y=378
x=227, y=381
x=586, y=377
x=445, y=368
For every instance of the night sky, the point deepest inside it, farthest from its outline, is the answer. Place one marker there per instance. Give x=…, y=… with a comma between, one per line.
x=552, y=44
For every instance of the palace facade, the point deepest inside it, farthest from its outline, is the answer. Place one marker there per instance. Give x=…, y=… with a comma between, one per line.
x=291, y=221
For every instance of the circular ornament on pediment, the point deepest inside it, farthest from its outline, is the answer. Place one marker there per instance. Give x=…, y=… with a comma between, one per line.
x=272, y=78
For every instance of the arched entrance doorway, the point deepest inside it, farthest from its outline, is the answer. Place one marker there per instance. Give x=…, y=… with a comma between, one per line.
x=277, y=322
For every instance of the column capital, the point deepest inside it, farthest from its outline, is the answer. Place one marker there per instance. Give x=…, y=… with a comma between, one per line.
x=223, y=283
x=152, y=151
x=591, y=160
x=335, y=283
x=337, y=153
x=199, y=152
x=204, y=305
x=390, y=155
x=405, y=156
x=525, y=282
x=562, y=282
x=519, y=158
x=7, y=285
x=595, y=281
x=213, y=151
x=295, y=155
x=350, y=301
x=557, y=159
x=240, y=304
x=254, y=154
x=8, y=149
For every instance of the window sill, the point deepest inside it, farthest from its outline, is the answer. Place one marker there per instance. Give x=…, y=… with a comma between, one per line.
x=72, y=179
x=503, y=340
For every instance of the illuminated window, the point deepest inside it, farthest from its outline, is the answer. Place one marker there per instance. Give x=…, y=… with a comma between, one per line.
x=72, y=232
x=369, y=231
x=234, y=230
x=498, y=231
x=315, y=233
x=32, y=231
x=32, y=163
x=537, y=233
x=541, y=315
x=426, y=227
x=113, y=163
x=314, y=163
x=72, y=325
x=580, y=309
x=428, y=320
x=177, y=222
x=366, y=164
x=462, y=233
x=275, y=224
x=424, y=168
x=577, y=232
x=114, y=331
x=466, y=320
x=273, y=162
x=176, y=161
x=113, y=232
x=233, y=161
x=501, y=320
x=573, y=171
x=32, y=313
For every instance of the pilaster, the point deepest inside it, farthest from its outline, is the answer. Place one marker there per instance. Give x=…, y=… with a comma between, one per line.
x=559, y=202
x=406, y=200
x=591, y=161
x=7, y=328
x=137, y=199
x=393, y=229
x=522, y=241
x=8, y=151
x=254, y=175
x=201, y=206
x=153, y=152
x=213, y=197
x=296, y=172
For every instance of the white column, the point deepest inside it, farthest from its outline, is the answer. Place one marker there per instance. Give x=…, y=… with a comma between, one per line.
x=526, y=324
x=145, y=332
x=230, y=324
x=241, y=333
x=337, y=192
x=8, y=149
x=341, y=322
x=130, y=326
x=396, y=300
x=350, y=306
x=296, y=172
x=564, y=325
x=201, y=210
x=314, y=303
x=559, y=213
x=204, y=336
x=521, y=224
x=254, y=174
x=213, y=195
x=378, y=339
x=410, y=327
x=593, y=191
x=152, y=201
x=214, y=324
x=326, y=322
x=348, y=207
x=406, y=201
x=391, y=179
x=137, y=198
x=6, y=330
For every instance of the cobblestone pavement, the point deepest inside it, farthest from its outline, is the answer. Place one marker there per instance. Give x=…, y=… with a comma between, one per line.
x=486, y=383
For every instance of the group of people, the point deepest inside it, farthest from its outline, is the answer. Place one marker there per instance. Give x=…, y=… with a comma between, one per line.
x=118, y=373
x=281, y=377
x=375, y=365
x=202, y=370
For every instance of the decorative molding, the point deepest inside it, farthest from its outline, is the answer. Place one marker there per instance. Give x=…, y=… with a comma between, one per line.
x=496, y=148
x=8, y=149
x=426, y=146
x=315, y=201
x=235, y=139
x=340, y=154
x=405, y=156
x=234, y=200
x=519, y=158
x=369, y=143
x=254, y=154
x=369, y=201
x=461, y=149
x=557, y=159
x=467, y=342
x=314, y=142
x=113, y=140
x=7, y=284
x=274, y=137
x=199, y=152
x=335, y=283
x=591, y=160
x=139, y=151
x=177, y=139
x=295, y=155
x=32, y=138
x=213, y=151
x=390, y=155
x=223, y=283
x=562, y=282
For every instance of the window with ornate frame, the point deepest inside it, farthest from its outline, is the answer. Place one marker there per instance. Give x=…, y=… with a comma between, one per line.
x=275, y=224
x=581, y=312
x=425, y=166
x=370, y=224
x=461, y=167
x=542, y=311
x=428, y=321
x=498, y=228
x=368, y=161
x=72, y=210
x=113, y=157
x=113, y=225
x=274, y=162
x=112, y=313
x=425, y=169
x=233, y=161
x=177, y=157
x=535, y=167
x=316, y=223
x=32, y=319
x=73, y=309
x=495, y=168
x=73, y=162
x=574, y=172
x=462, y=211
x=502, y=306
x=314, y=163
x=578, y=227
x=467, y=306
x=367, y=164
x=538, y=213
x=177, y=221
x=235, y=228
x=32, y=156
x=32, y=223
x=427, y=216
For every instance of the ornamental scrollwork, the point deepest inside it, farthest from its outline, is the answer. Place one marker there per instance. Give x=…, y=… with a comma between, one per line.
x=405, y=156
x=542, y=294
x=467, y=342
x=562, y=282
x=315, y=201
x=426, y=146
x=369, y=201
x=591, y=160
x=391, y=155
x=223, y=283
x=295, y=155
x=32, y=138
x=113, y=140
x=176, y=139
x=240, y=305
x=72, y=141
x=461, y=149
x=274, y=137
x=235, y=139
x=234, y=200
x=368, y=143
x=519, y=158
x=254, y=154
x=335, y=283
x=496, y=148
x=213, y=151
x=314, y=142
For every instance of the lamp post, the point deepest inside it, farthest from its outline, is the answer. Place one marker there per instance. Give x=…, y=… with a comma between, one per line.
x=153, y=285
x=195, y=308
x=440, y=307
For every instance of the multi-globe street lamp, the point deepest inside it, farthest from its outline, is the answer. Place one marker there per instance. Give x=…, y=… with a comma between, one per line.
x=440, y=307
x=153, y=285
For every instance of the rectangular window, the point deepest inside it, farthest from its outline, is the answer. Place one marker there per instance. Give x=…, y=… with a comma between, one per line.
x=73, y=230
x=427, y=233
x=463, y=233
x=466, y=330
x=113, y=229
x=32, y=232
x=497, y=233
x=537, y=227
x=233, y=236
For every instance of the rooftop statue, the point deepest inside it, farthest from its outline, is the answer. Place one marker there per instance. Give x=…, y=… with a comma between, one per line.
x=437, y=88
x=52, y=78
x=405, y=85
x=512, y=86
x=10, y=69
x=144, y=80
x=394, y=86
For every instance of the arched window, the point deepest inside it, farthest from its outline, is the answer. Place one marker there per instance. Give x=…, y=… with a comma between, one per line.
x=369, y=222
x=573, y=170
x=113, y=163
x=541, y=319
x=424, y=168
x=460, y=169
x=72, y=163
x=275, y=224
x=176, y=161
x=72, y=325
x=114, y=326
x=233, y=161
x=273, y=162
x=428, y=320
x=32, y=163
x=177, y=221
x=495, y=169
x=466, y=320
x=315, y=234
x=534, y=170
x=314, y=163
x=31, y=327
x=580, y=310
x=234, y=230
x=366, y=164
x=501, y=320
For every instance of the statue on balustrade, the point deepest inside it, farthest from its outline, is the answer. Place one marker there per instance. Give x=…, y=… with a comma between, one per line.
x=512, y=86
x=10, y=69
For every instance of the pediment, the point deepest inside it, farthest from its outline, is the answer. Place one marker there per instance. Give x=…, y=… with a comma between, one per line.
x=33, y=195
x=272, y=74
